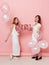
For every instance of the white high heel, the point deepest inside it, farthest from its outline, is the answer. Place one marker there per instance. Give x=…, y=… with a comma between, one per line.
x=11, y=56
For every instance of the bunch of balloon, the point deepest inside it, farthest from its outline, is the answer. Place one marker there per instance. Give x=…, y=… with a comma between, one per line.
x=37, y=46
x=5, y=12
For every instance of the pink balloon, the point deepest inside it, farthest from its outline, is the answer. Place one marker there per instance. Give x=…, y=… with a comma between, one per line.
x=43, y=44
x=36, y=49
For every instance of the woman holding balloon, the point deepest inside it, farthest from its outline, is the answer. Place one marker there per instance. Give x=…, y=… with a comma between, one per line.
x=37, y=43
x=36, y=37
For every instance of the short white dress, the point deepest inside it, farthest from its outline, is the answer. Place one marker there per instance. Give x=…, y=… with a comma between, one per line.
x=15, y=42
x=36, y=32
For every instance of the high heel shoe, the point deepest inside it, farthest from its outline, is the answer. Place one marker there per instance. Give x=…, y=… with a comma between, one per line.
x=38, y=58
x=11, y=57
x=33, y=57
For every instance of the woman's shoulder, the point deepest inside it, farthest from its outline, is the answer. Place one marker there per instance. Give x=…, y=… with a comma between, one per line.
x=39, y=24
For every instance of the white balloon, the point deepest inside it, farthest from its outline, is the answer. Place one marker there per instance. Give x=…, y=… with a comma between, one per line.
x=32, y=43
x=5, y=8
x=36, y=49
x=43, y=44
x=5, y=17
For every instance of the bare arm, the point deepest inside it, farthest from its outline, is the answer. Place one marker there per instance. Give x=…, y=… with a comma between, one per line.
x=9, y=32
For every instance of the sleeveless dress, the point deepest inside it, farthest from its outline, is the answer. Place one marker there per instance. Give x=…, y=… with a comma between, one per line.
x=36, y=32
x=15, y=42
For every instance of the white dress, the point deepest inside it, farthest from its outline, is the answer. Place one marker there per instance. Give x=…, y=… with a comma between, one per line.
x=15, y=42
x=36, y=32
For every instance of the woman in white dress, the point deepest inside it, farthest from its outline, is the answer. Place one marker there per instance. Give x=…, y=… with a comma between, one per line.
x=15, y=38
x=36, y=33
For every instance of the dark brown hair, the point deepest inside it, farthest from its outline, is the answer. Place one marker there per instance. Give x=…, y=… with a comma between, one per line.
x=14, y=21
x=39, y=21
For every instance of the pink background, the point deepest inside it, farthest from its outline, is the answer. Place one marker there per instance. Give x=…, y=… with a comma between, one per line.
x=25, y=10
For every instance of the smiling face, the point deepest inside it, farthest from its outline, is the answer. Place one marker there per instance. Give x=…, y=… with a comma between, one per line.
x=36, y=19
x=16, y=21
